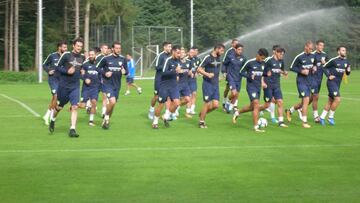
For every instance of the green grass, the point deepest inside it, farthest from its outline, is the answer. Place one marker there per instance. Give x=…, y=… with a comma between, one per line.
x=133, y=163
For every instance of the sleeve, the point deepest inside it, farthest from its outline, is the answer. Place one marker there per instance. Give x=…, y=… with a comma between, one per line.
x=125, y=66
x=47, y=63
x=167, y=70
x=205, y=62
x=267, y=68
x=296, y=65
x=86, y=75
x=282, y=65
x=327, y=67
x=102, y=67
x=160, y=62
x=60, y=66
x=346, y=69
x=244, y=71
x=227, y=60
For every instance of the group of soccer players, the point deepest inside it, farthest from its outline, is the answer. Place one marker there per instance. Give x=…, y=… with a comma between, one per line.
x=175, y=83
x=101, y=71
x=176, y=75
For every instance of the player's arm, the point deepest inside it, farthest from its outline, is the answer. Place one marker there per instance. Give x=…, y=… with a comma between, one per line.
x=297, y=67
x=159, y=65
x=328, y=69
x=201, y=69
x=348, y=69
x=244, y=71
x=103, y=68
x=125, y=69
x=60, y=66
x=47, y=64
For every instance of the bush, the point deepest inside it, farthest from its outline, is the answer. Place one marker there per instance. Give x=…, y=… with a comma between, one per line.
x=27, y=77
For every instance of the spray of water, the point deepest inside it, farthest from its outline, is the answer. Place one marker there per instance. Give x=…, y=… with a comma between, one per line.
x=293, y=20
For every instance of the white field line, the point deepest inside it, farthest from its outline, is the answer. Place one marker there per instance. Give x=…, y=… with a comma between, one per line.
x=182, y=148
x=346, y=98
x=22, y=104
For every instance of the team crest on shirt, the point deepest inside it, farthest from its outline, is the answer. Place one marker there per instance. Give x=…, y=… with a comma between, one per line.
x=120, y=63
x=304, y=61
x=253, y=94
x=241, y=59
x=254, y=67
x=335, y=93
x=274, y=64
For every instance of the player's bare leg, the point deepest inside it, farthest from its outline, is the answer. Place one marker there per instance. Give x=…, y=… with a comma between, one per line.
x=305, y=104
x=109, y=110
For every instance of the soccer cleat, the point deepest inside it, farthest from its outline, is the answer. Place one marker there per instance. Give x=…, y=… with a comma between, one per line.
x=166, y=122
x=105, y=124
x=261, y=113
x=155, y=126
x=173, y=117
x=139, y=90
x=306, y=125
x=331, y=121
x=193, y=113
x=127, y=93
x=73, y=134
x=317, y=119
x=88, y=109
x=224, y=107
x=288, y=114
x=322, y=122
x=46, y=119
x=202, y=125
x=91, y=123
x=258, y=130
x=274, y=120
x=188, y=115
x=52, y=126
x=235, y=116
x=283, y=125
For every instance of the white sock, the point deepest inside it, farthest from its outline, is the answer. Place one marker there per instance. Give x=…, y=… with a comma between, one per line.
x=331, y=114
x=323, y=114
x=281, y=119
x=236, y=103
x=316, y=114
x=272, y=110
x=107, y=117
x=231, y=106
x=304, y=118
x=300, y=113
x=156, y=120
x=292, y=109
x=152, y=109
x=167, y=114
x=192, y=107
x=52, y=115
x=91, y=117
x=188, y=110
x=72, y=127
x=88, y=104
x=103, y=111
x=47, y=114
x=256, y=127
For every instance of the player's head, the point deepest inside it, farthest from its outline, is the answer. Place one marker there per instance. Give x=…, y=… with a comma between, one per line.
x=183, y=52
x=196, y=50
x=61, y=46
x=128, y=57
x=104, y=48
x=219, y=49
x=275, y=47
x=167, y=47
x=176, y=51
x=279, y=53
x=92, y=54
x=320, y=44
x=262, y=54
x=116, y=48
x=192, y=52
x=239, y=49
x=341, y=51
x=78, y=44
x=234, y=42
x=309, y=46
x=97, y=50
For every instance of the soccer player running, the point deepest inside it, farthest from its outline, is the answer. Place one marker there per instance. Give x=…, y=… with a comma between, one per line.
x=91, y=85
x=113, y=66
x=274, y=68
x=253, y=70
x=160, y=61
x=334, y=70
x=104, y=51
x=303, y=65
x=229, y=54
x=193, y=56
x=69, y=67
x=234, y=77
x=183, y=82
x=210, y=69
x=168, y=87
x=131, y=76
x=320, y=60
x=49, y=66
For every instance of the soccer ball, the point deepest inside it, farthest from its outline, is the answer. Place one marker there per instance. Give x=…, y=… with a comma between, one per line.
x=262, y=122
